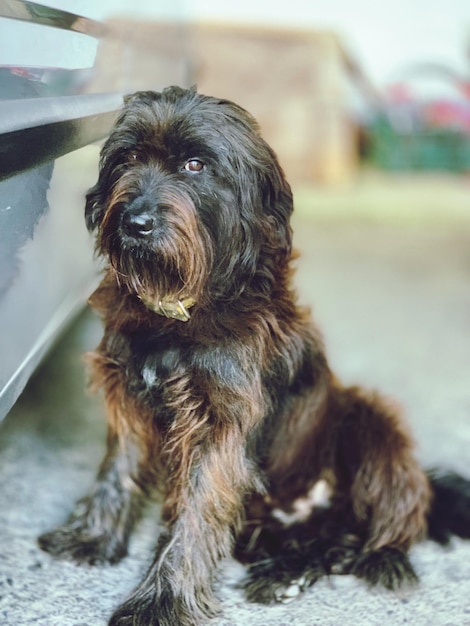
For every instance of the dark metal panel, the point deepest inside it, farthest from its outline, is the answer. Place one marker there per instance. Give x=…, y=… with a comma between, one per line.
x=34, y=131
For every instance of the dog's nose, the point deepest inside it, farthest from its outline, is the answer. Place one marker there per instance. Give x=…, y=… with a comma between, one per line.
x=137, y=224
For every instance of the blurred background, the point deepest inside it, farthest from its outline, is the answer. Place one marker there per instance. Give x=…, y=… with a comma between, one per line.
x=334, y=85
x=367, y=105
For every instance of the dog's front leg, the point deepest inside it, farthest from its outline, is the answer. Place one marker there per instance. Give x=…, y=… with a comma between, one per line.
x=202, y=508
x=99, y=528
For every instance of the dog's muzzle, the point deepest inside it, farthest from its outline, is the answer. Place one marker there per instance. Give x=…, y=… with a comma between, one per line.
x=137, y=221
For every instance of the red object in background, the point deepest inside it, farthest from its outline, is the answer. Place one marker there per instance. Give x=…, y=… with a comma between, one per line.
x=448, y=114
x=442, y=113
x=399, y=93
x=464, y=88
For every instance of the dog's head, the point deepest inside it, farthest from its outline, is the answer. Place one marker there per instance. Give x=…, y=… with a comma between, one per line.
x=190, y=200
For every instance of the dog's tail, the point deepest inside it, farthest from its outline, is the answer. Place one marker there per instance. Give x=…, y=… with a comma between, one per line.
x=450, y=510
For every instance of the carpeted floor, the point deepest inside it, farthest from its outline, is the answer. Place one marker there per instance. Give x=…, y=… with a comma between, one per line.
x=394, y=304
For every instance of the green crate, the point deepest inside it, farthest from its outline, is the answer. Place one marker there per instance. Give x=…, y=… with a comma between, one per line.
x=425, y=149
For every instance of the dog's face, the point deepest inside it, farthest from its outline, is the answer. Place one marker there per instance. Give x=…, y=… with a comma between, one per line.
x=190, y=201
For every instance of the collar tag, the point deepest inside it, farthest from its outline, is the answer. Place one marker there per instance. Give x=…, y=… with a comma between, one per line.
x=172, y=309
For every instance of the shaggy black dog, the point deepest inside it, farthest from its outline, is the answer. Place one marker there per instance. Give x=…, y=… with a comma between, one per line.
x=217, y=386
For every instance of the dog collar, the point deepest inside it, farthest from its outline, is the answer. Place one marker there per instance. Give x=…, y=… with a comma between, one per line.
x=173, y=309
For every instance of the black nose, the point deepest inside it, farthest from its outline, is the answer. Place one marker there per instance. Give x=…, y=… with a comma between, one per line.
x=137, y=223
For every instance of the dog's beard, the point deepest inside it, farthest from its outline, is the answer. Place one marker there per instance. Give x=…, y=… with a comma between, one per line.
x=174, y=261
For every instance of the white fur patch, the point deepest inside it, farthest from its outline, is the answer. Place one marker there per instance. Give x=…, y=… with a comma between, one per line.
x=317, y=497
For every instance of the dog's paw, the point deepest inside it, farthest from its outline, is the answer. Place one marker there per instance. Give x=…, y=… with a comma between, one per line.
x=146, y=608
x=79, y=544
x=389, y=567
x=288, y=593
x=271, y=581
x=132, y=615
x=270, y=589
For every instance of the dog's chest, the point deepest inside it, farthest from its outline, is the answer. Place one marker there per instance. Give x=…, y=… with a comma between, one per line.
x=154, y=362
x=168, y=372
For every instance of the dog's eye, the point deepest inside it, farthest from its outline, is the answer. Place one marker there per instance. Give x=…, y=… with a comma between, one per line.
x=194, y=165
x=132, y=156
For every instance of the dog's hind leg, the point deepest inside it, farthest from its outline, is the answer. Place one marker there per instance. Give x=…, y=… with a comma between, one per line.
x=389, y=492
x=377, y=506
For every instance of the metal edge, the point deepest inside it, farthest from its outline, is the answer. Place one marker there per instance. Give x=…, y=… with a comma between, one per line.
x=17, y=115
x=34, y=13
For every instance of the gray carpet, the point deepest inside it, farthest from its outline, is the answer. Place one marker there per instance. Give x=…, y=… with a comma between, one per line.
x=394, y=303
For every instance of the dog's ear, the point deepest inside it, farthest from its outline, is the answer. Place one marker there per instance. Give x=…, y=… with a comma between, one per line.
x=273, y=196
x=94, y=207
x=276, y=192
x=96, y=196
x=277, y=203
x=262, y=184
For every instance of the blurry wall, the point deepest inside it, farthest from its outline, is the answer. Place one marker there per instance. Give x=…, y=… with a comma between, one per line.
x=292, y=81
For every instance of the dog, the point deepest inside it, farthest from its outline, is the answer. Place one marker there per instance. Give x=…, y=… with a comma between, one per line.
x=217, y=388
